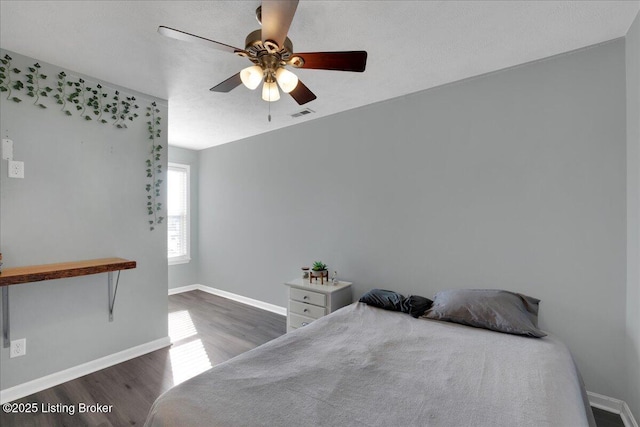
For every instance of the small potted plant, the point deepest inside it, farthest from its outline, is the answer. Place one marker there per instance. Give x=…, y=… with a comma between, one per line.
x=319, y=269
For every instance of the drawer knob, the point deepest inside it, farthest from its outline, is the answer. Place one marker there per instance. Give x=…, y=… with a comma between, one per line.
x=305, y=323
x=306, y=297
x=306, y=310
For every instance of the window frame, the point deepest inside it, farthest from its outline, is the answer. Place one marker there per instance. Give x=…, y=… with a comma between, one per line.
x=186, y=258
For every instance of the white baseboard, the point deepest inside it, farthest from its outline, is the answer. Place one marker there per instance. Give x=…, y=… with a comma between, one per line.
x=43, y=383
x=182, y=289
x=627, y=416
x=234, y=297
x=616, y=406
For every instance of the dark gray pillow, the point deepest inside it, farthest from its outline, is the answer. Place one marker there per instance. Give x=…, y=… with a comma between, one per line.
x=498, y=310
x=389, y=300
x=416, y=305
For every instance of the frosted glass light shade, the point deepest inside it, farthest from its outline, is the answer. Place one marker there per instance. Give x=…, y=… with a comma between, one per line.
x=251, y=76
x=270, y=92
x=286, y=79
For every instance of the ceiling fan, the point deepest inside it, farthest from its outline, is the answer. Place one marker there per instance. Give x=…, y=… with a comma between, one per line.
x=270, y=51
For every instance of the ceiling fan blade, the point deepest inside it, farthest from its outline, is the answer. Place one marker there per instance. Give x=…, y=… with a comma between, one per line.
x=339, y=61
x=302, y=94
x=181, y=35
x=276, y=19
x=228, y=85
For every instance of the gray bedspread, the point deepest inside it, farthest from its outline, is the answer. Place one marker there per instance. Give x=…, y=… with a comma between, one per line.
x=366, y=366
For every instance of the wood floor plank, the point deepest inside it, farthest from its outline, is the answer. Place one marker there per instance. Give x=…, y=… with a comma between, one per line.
x=607, y=419
x=215, y=330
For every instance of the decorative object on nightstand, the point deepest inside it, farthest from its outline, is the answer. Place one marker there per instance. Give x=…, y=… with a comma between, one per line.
x=305, y=273
x=334, y=279
x=319, y=269
x=311, y=301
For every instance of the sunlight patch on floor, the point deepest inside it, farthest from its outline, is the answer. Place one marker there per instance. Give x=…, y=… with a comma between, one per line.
x=181, y=326
x=188, y=360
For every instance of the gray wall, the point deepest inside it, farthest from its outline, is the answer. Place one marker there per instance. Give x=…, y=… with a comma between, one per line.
x=83, y=197
x=188, y=274
x=513, y=180
x=633, y=215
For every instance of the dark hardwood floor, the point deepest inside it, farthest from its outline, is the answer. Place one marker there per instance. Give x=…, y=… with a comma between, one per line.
x=205, y=330
x=607, y=419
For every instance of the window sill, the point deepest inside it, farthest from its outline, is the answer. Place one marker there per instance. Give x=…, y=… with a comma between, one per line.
x=179, y=260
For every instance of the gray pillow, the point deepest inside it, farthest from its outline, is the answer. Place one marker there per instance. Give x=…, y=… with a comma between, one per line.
x=497, y=310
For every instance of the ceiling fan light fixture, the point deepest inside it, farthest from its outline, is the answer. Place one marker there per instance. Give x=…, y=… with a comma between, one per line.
x=270, y=51
x=286, y=79
x=251, y=76
x=270, y=92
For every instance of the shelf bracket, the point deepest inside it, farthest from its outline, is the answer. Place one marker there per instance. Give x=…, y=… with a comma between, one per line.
x=112, y=292
x=6, y=339
x=63, y=270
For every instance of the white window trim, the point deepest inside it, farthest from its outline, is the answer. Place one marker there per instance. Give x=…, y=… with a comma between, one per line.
x=184, y=259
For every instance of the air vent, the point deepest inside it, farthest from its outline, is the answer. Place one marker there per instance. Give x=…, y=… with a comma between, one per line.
x=303, y=113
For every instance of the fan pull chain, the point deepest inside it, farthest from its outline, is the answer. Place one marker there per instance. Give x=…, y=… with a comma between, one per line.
x=269, y=106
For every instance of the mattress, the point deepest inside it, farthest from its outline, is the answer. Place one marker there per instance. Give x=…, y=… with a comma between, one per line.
x=365, y=366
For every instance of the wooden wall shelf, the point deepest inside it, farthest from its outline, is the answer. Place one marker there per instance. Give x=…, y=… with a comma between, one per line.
x=64, y=270
x=37, y=273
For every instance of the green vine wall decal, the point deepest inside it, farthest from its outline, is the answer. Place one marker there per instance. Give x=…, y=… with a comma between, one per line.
x=154, y=167
x=91, y=104
x=62, y=97
x=6, y=84
x=96, y=103
x=34, y=88
x=82, y=100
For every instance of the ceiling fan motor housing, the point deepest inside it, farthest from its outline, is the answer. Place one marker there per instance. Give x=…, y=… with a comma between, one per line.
x=267, y=54
x=253, y=43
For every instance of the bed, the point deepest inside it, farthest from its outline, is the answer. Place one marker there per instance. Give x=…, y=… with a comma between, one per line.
x=362, y=365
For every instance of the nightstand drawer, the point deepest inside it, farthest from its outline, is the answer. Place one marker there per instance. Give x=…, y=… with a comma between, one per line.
x=310, y=301
x=306, y=309
x=314, y=298
x=297, y=321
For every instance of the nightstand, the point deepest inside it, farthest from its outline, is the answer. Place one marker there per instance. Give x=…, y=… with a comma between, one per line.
x=311, y=301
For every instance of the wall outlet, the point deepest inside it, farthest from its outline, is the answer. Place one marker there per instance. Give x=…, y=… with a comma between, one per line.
x=16, y=169
x=18, y=348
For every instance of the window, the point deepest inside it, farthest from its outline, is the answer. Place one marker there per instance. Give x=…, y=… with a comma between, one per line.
x=178, y=213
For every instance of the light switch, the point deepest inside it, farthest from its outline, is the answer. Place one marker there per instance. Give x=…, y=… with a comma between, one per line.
x=7, y=149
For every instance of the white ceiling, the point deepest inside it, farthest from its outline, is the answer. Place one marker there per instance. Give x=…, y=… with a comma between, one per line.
x=412, y=46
